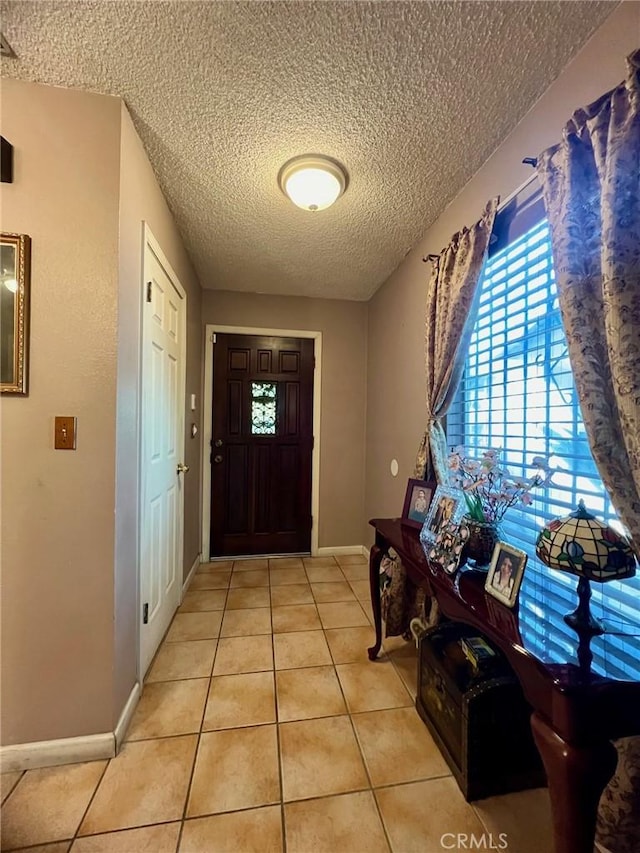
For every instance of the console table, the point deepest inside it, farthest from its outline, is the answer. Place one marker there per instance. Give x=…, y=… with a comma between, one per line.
x=576, y=715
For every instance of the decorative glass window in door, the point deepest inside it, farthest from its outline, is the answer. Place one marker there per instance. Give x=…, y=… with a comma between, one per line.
x=263, y=408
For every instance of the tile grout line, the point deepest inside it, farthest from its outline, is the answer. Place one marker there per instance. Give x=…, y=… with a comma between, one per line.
x=357, y=740
x=366, y=766
x=362, y=755
x=315, y=604
x=353, y=729
x=14, y=786
x=204, y=713
x=91, y=799
x=283, y=824
x=98, y=834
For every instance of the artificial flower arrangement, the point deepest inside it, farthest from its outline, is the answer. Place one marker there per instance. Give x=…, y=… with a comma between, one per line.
x=488, y=487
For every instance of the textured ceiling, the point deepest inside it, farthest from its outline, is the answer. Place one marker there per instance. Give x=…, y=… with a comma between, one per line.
x=412, y=97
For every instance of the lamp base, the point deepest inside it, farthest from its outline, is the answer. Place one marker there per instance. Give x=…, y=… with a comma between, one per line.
x=582, y=620
x=591, y=627
x=585, y=625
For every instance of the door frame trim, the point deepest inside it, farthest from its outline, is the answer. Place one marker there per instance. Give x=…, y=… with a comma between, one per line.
x=150, y=242
x=212, y=328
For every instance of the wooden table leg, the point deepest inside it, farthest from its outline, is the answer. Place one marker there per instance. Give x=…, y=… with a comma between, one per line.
x=577, y=776
x=375, y=558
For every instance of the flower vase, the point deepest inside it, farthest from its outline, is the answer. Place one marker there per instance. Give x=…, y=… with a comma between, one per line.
x=483, y=536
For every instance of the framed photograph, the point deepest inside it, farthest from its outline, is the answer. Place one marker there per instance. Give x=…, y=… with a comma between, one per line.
x=417, y=501
x=505, y=573
x=447, y=505
x=15, y=252
x=447, y=547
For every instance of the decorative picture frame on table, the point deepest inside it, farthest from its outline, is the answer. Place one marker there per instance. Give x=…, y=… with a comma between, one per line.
x=446, y=549
x=447, y=506
x=15, y=258
x=417, y=501
x=506, y=571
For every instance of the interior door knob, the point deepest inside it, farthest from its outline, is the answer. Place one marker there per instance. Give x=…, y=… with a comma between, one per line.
x=182, y=468
x=217, y=458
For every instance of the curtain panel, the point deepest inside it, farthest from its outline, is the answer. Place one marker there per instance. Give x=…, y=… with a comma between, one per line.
x=451, y=310
x=591, y=188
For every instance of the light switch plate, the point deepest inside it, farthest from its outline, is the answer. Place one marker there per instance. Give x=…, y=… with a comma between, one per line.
x=65, y=433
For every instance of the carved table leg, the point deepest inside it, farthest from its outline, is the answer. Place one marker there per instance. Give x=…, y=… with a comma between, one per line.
x=577, y=776
x=375, y=558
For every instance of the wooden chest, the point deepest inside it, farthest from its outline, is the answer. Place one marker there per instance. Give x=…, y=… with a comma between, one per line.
x=478, y=716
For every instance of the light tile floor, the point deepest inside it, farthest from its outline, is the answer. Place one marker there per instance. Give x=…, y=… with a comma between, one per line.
x=264, y=727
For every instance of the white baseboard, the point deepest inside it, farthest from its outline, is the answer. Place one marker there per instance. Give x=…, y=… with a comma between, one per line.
x=70, y=750
x=341, y=550
x=336, y=551
x=192, y=572
x=366, y=552
x=125, y=717
x=48, y=753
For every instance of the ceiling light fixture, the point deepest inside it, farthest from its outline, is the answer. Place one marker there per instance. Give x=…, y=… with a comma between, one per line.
x=313, y=181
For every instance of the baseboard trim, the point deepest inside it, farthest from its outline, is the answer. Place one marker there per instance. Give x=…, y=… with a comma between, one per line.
x=341, y=550
x=122, y=725
x=49, y=753
x=366, y=552
x=192, y=572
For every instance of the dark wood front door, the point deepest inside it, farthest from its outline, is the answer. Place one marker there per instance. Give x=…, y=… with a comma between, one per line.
x=261, y=445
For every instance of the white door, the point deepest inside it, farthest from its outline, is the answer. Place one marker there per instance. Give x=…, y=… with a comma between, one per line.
x=162, y=449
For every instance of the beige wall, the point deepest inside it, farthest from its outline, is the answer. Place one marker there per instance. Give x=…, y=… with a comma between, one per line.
x=142, y=201
x=395, y=371
x=57, y=506
x=343, y=401
x=69, y=637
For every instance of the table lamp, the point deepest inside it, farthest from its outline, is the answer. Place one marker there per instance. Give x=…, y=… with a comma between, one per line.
x=583, y=546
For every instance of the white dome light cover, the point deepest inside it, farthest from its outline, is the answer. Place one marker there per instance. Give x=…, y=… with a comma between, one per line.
x=312, y=181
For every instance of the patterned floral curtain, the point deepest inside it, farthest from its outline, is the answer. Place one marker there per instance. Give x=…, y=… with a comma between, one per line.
x=591, y=186
x=452, y=306
x=618, y=827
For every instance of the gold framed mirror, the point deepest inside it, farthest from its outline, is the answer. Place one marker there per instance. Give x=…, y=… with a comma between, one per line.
x=15, y=256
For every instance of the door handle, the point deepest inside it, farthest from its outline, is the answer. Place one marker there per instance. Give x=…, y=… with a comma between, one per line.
x=217, y=458
x=218, y=442
x=181, y=468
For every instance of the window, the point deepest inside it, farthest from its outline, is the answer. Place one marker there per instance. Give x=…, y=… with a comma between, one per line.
x=263, y=408
x=517, y=393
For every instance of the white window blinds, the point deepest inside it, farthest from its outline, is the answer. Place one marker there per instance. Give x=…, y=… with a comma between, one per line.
x=518, y=394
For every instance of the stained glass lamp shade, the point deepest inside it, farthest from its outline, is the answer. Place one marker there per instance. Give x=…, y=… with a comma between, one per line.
x=583, y=546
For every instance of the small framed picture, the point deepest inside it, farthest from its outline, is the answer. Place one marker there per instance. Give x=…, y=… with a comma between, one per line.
x=417, y=501
x=447, y=547
x=447, y=505
x=505, y=573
